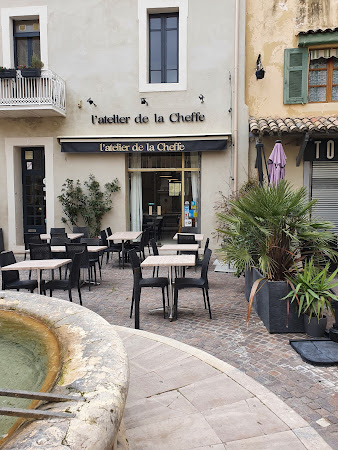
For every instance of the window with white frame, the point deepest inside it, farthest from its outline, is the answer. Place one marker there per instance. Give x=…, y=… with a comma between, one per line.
x=24, y=34
x=26, y=42
x=162, y=45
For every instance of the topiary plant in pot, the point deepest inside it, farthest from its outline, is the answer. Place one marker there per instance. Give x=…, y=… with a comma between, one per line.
x=311, y=288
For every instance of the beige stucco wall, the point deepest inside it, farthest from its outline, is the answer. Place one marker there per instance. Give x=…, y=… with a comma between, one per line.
x=94, y=47
x=273, y=26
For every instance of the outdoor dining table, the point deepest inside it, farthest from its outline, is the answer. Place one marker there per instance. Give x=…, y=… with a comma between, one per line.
x=124, y=236
x=71, y=236
x=198, y=237
x=165, y=261
x=38, y=264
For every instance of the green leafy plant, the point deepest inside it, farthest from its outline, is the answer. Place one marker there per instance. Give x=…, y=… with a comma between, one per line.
x=36, y=62
x=271, y=228
x=89, y=204
x=312, y=288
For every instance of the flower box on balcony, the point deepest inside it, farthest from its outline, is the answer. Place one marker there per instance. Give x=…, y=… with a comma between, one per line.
x=31, y=72
x=8, y=73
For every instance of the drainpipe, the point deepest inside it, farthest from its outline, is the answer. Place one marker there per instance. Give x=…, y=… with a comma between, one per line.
x=235, y=129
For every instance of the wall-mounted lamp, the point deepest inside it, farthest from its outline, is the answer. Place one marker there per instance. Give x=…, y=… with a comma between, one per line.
x=201, y=97
x=90, y=101
x=259, y=68
x=144, y=101
x=79, y=104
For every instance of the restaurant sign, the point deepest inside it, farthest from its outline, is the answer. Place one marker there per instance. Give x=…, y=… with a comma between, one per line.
x=322, y=150
x=144, y=146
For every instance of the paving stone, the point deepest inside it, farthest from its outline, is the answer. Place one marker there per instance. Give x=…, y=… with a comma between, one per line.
x=227, y=336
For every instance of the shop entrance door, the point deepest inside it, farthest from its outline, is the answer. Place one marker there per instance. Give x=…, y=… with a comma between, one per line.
x=165, y=187
x=33, y=190
x=162, y=200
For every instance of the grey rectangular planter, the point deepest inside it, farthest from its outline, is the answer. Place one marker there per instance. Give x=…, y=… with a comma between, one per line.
x=272, y=310
x=8, y=73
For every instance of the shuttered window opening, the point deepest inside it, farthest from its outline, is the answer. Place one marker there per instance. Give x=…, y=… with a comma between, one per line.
x=325, y=190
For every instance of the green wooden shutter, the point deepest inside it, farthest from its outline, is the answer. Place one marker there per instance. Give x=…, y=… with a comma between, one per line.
x=295, y=75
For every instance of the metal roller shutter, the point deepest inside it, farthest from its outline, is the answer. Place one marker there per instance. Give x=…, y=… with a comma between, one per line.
x=325, y=189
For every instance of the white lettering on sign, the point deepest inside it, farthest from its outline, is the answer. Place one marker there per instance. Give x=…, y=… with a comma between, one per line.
x=330, y=149
x=317, y=148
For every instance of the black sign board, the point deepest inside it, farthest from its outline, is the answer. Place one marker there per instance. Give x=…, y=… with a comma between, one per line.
x=144, y=146
x=321, y=150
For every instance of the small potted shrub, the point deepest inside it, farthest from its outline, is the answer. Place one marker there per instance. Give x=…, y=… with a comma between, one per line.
x=7, y=73
x=34, y=70
x=311, y=288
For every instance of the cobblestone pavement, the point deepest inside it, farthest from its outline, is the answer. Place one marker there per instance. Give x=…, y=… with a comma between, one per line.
x=312, y=391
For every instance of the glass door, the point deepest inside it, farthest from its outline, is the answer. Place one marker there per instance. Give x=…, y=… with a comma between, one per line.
x=33, y=190
x=167, y=187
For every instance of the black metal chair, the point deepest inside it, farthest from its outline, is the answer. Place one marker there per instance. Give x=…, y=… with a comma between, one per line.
x=94, y=255
x=73, y=280
x=111, y=246
x=41, y=251
x=2, y=246
x=192, y=283
x=192, y=230
x=59, y=239
x=83, y=230
x=140, y=282
x=109, y=231
x=155, y=252
x=85, y=261
x=187, y=239
x=200, y=260
x=139, y=245
x=58, y=231
x=11, y=278
x=31, y=238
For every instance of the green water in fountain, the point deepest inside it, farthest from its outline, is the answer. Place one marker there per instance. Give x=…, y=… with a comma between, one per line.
x=23, y=366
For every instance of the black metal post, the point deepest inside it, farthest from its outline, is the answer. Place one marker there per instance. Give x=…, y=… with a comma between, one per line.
x=259, y=166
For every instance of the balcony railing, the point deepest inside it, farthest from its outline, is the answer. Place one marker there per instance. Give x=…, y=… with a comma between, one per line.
x=38, y=96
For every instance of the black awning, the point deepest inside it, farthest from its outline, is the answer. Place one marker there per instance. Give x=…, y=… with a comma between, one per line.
x=159, y=146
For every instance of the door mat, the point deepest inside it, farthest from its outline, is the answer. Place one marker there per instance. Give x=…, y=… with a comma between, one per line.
x=316, y=351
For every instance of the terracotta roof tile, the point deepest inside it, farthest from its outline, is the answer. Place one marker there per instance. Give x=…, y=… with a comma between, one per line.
x=293, y=125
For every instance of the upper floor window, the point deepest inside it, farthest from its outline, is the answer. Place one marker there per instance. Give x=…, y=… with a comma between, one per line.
x=163, y=48
x=26, y=41
x=323, y=78
x=163, y=45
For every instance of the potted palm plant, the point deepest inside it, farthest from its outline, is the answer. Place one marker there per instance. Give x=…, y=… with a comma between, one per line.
x=311, y=289
x=265, y=231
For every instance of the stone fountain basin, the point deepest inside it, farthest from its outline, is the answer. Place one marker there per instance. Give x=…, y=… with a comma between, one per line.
x=94, y=366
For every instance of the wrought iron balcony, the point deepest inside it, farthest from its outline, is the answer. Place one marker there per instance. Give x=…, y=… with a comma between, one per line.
x=33, y=97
